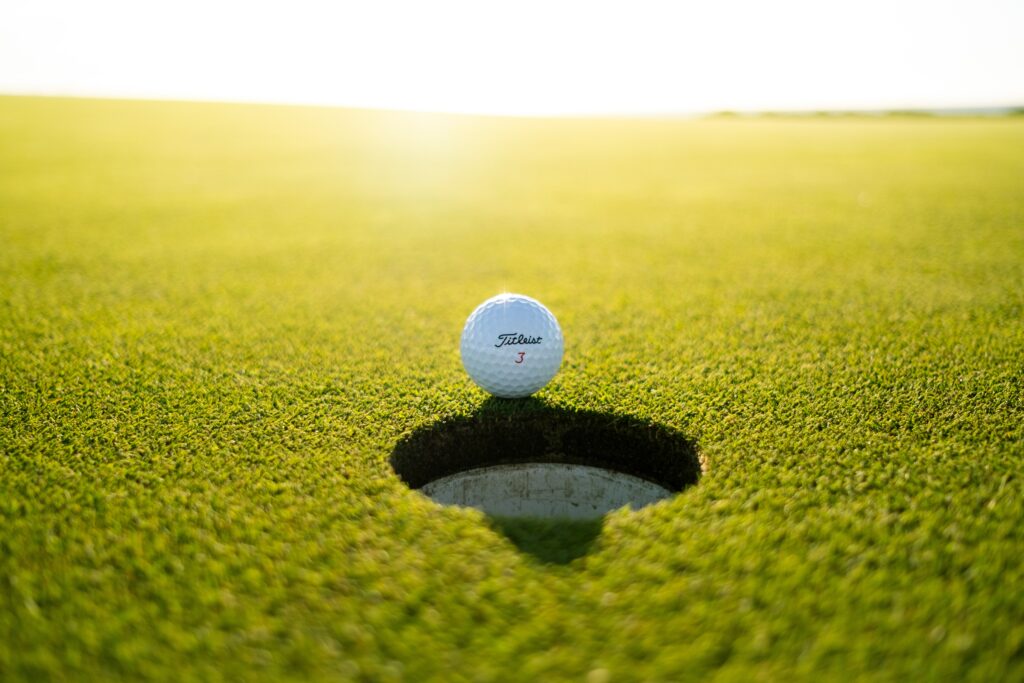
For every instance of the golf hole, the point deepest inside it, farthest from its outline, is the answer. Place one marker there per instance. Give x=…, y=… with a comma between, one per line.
x=523, y=459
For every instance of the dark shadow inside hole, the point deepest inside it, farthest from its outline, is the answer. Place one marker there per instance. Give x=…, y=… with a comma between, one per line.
x=514, y=432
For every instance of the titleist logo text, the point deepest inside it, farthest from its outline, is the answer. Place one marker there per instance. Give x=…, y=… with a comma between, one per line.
x=510, y=338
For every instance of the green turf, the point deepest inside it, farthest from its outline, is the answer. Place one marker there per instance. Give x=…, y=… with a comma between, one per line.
x=217, y=321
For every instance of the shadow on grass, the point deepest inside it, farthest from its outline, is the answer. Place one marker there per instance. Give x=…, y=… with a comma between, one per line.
x=551, y=541
x=510, y=432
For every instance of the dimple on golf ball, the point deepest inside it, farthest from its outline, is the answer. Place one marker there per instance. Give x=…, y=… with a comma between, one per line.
x=511, y=345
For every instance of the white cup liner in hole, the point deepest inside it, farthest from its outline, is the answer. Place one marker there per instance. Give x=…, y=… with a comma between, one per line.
x=552, y=490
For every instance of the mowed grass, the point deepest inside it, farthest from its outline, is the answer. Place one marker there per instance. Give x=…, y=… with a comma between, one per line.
x=216, y=322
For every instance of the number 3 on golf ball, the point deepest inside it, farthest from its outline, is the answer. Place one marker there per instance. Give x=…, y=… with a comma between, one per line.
x=511, y=345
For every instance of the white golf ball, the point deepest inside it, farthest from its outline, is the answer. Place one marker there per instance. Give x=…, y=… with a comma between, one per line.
x=511, y=345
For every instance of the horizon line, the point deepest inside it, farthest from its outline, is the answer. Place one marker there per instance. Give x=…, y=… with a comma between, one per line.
x=989, y=109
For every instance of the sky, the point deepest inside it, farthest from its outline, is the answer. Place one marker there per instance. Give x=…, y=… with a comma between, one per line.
x=523, y=57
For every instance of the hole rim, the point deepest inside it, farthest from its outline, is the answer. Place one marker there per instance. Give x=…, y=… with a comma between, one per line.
x=516, y=432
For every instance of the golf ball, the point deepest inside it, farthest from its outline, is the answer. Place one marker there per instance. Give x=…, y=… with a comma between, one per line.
x=511, y=345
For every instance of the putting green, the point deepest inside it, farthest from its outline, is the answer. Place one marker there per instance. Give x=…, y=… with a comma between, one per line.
x=217, y=322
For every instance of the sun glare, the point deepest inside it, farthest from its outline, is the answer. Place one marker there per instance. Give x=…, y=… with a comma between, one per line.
x=523, y=58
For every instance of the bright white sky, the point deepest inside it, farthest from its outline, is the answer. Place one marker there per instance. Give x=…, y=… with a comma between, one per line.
x=523, y=57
